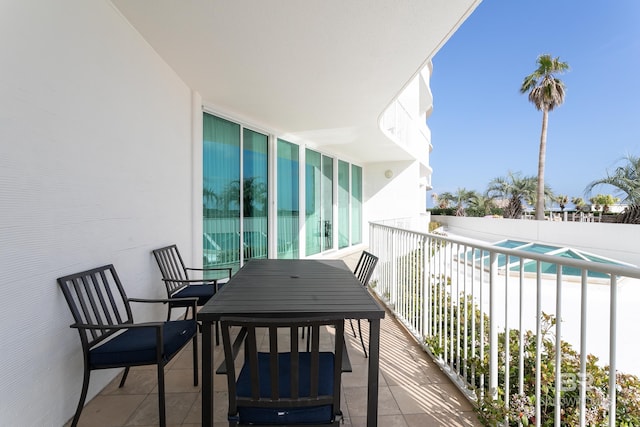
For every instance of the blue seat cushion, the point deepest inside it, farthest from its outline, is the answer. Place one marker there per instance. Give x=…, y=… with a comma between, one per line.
x=137, y=346
x=202, y=292
x=278, y=416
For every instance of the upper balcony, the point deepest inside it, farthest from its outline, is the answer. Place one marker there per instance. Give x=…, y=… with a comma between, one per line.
x=405, y=120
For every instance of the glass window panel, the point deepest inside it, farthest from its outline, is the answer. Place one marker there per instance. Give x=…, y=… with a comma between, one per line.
x=327, y=202
x=255, y=178
x=221, y=193
x=288, y=164
x=343, y=204
x=313, y=220
x=356, y=205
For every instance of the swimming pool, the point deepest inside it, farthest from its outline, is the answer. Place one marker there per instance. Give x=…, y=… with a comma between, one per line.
x=547, y=268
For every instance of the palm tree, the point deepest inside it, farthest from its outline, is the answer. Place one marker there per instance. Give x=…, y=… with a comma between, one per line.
x=562, y=201
x=515, y=189
x=546, y=92
x=461, y=199
x=481, y=204
x=625, y=178
x=444, y=200
x=604, y=201
x=578, y=202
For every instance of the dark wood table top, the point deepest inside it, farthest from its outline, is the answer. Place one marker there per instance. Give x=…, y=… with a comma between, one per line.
x=295, y=288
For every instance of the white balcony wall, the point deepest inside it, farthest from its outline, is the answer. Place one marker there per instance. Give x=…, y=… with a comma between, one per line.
x=95, y=168
x=393, y=189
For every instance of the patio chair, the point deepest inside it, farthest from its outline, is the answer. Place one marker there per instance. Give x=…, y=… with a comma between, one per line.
x=282, y=388
x=364, y=270
x=111, y=339
x=178, y=283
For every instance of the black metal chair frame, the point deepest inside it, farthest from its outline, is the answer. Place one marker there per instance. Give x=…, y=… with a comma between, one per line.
x=101, y=310
x=175, y=276
x=247, y=335
x=363, y=271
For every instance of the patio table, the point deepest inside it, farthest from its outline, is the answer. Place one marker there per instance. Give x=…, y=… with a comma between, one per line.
x=277, y=288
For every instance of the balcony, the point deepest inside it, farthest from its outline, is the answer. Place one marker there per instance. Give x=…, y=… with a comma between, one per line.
x=449, y=302
x=413, y=389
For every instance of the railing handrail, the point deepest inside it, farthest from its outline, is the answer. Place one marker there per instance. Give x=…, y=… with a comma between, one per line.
x=627, y=270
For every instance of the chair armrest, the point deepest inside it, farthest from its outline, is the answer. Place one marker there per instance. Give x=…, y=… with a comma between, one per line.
x=163, y=300
x=235, y=349
x=192, y=281
x=192, y=300
x=227, y=269
x=121, y=326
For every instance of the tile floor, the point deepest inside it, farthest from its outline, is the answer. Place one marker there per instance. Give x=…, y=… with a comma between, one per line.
x=413, y=390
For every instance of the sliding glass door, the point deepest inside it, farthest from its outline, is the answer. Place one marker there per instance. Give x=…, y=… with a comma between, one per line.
x=343, y=204
x=255, y=191
x=288, y=200
x=318, y=202
x=235, y=190
x=356, y=205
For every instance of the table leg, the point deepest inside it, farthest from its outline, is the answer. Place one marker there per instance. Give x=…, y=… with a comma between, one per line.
x=207, y=374
x=374, y=367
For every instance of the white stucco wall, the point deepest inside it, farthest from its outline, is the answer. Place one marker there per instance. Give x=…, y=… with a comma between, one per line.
x=95, y=168
x=400, y=196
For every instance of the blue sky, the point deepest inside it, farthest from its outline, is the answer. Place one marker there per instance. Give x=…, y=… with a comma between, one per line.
x=482, y=127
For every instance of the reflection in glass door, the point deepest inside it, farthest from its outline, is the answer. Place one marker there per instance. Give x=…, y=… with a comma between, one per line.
x=356, y=204
x=254, y=195
x=287, y=194
x=318, y=202
x=343, y=204
x=221, y=193
x=232, y=193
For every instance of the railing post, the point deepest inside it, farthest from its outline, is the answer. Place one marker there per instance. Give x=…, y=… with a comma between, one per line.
x=583, y=349
x=613, y=320
x=538, y=342
x=557, y=401
x=394, y=268
x=493, y=325
x=426, y=272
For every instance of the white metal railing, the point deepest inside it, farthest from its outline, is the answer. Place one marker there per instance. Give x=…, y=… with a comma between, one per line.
x=461, y=299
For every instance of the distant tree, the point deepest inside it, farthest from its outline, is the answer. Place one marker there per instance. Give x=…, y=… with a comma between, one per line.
x=461, y=199
x=562, y=201
x=481, y=204
x=548, y=198
x=209, y=195
x=254, y=197
x=434, y=198
x=546, y=92
x=514, y=189
x=578, y=202
x=604, y=201
x=625, y=178
x=444, y=200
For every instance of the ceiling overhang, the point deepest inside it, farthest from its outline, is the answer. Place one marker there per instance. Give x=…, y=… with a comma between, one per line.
x=315, y=71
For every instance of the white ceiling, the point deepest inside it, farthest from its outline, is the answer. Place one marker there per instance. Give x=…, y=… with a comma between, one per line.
x=320, y=71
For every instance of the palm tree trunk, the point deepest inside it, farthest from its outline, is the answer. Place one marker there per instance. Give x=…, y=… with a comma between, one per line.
x=541, y=162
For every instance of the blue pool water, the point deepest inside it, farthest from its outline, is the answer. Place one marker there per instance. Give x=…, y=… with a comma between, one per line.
x=547, y=268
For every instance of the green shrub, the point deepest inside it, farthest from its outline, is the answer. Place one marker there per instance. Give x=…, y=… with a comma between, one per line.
x=521, y=409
